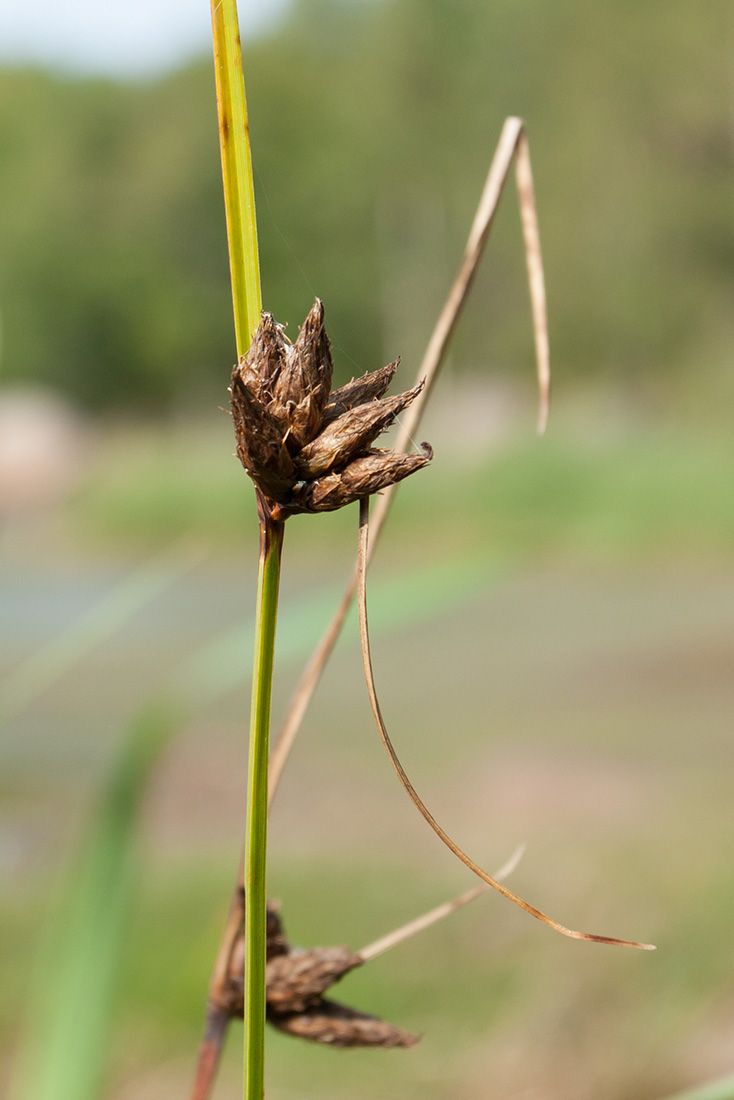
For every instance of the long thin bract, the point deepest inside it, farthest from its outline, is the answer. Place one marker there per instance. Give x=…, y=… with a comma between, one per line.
x=512, y=141
x=400, y=772
x=419, y=924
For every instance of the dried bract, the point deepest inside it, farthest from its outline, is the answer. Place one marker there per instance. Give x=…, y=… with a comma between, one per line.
x=307, y=451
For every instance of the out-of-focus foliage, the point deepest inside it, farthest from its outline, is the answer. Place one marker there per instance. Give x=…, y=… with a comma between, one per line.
x=372, y=127
x=71, y=1015
x=114, y=269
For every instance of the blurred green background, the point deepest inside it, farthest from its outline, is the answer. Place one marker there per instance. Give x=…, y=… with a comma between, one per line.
x=553, y=619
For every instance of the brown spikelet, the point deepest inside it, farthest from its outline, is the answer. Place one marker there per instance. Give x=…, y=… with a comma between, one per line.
x=359, y=391
x=260, y=442
x=295, y=981
x=302, y=387
x=361, y=478
x=336, y=1025
x=352, y=434
x=260, y=368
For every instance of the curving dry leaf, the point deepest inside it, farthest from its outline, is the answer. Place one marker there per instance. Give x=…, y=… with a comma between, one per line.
x=400, y=772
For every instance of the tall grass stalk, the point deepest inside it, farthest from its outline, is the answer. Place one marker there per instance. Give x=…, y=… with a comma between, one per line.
x=271, y=543
x=239, y=201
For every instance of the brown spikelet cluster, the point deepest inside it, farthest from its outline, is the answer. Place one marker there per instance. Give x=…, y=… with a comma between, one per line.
x=308, y=449
x=296, y=981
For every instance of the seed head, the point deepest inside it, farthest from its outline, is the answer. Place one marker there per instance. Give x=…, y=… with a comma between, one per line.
x=305, y=450
x=296, y=981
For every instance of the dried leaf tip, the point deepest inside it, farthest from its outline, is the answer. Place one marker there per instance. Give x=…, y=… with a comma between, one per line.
x=307, y=450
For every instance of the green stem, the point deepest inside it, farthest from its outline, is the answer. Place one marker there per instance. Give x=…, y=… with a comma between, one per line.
x=239, y=203
x=271, y=544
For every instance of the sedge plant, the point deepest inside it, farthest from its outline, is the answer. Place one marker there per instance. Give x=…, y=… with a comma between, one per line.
x=309, y=449
x=306, y=449
x=239, y=201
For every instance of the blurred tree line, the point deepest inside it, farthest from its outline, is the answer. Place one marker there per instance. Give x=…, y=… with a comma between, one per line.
x=373, y=123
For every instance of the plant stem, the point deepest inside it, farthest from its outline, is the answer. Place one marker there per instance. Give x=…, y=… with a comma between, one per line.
x=271, y=544
x=239, y=203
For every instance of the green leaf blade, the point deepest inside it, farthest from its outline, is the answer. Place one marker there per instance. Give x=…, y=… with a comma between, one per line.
x=239, y=192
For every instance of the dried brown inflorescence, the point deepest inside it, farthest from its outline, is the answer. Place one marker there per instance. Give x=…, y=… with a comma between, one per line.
x=296, y=980
x=307, y=449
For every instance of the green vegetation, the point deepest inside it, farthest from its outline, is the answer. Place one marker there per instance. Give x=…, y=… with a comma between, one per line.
x=578, y=702
x=659, y=494
x=372, y=128
x=70, y=1017
x=585, y=709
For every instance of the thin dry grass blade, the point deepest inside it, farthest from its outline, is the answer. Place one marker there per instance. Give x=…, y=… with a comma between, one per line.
x=536, y=280
x=217, y=1015
x=415, y=798
x=512, y=140
x=406, y=931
